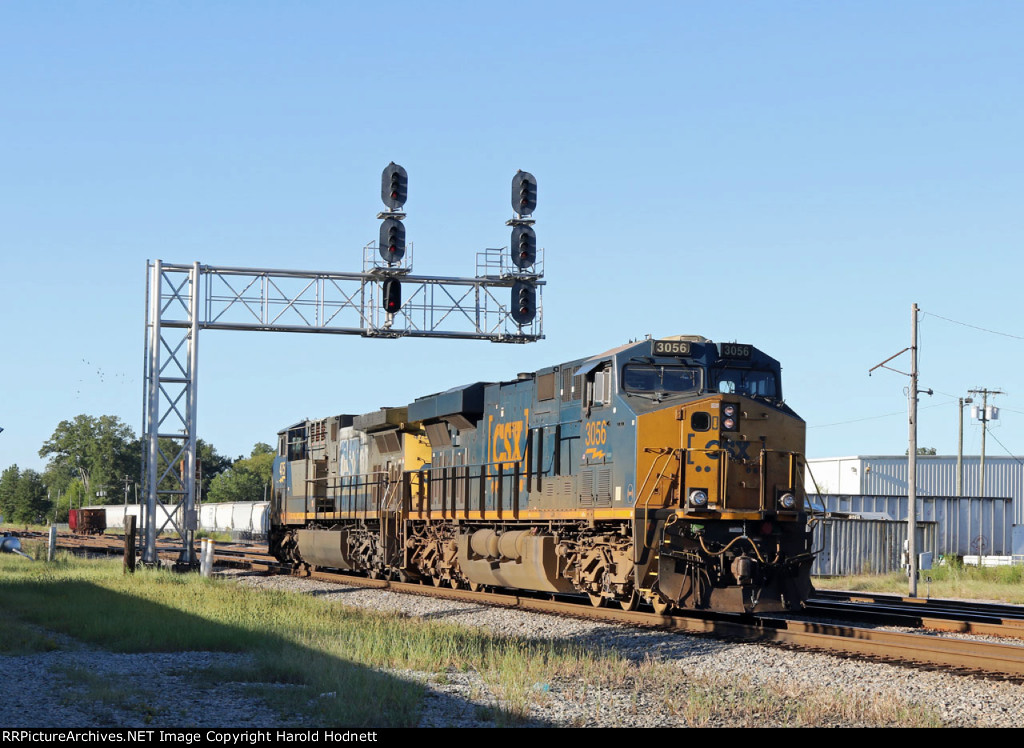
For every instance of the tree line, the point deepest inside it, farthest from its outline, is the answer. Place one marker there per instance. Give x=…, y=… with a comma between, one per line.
x=96, y=460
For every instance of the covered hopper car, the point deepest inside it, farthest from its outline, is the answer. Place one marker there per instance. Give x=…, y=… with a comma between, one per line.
x=665, y=472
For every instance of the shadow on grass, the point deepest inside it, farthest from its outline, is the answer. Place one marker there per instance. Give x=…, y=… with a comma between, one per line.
x=301, y=685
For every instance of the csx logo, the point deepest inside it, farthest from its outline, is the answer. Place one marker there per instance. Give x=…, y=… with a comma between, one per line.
x=348, y=456
x=737, y=449
x=507, y=441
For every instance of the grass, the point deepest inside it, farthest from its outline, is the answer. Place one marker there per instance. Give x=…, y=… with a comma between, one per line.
x=317, y=662
x=953, y=580
x=220, y=537
x=20, y=638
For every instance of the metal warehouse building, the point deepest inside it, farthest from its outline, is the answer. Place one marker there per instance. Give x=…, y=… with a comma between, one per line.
x=882, y=476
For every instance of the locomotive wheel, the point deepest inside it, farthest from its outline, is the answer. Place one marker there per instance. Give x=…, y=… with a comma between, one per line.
x=596, y=600
x=660, y=606
x=437, y=581
x=630, y=603
x=475, y=586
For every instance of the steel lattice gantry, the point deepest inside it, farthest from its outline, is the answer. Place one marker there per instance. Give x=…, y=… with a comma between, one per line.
x=183, y=299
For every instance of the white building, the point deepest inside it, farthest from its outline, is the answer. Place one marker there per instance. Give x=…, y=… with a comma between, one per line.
x=886, y=475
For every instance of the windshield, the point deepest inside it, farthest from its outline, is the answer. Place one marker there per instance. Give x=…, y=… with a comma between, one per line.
x=750, y=382
x=653, y=378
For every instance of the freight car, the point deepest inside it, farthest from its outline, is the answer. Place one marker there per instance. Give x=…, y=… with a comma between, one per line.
x=665, y=472
x=90, y=521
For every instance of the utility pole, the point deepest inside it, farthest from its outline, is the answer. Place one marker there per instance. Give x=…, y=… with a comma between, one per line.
x=984, y=416
x=912, y=394
x=960, y=448
x=912, y=460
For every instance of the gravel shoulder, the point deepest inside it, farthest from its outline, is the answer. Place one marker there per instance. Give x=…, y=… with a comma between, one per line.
x=157, y=690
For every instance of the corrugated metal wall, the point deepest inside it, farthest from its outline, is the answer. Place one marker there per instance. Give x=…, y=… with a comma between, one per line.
x=865, y=546
x=834, y=475
x=964, y=526
x=880, y=475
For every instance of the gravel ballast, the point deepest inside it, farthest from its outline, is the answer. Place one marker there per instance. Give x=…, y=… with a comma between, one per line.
x=45, y=690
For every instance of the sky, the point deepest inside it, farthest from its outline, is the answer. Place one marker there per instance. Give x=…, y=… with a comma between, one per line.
x=792, y=175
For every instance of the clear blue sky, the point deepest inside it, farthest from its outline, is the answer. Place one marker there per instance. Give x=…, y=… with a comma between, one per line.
x=793, y=175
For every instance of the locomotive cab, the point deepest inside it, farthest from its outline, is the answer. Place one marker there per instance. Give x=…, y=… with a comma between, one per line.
x=722, y=456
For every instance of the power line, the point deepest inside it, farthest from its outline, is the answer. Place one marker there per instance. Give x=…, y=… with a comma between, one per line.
x=975, y=327
x=1008, y=452
x=875, y=418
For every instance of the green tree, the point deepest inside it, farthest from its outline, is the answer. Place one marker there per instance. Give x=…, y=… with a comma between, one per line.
x=211, y=464
x=236, y=484
x=260, y=461
x=97, y=451
x=247, y=479
x=23, y=496
x=262, y=448
x=8, y=488
x=71, y=497
x=31, y=499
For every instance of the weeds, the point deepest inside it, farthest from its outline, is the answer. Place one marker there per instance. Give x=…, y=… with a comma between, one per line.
x=319, y=662
x=953, y=579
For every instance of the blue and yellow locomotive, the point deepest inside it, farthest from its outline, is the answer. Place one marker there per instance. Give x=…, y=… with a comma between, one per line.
x=665, y=472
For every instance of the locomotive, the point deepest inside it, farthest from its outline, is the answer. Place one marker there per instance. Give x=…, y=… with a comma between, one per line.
x=664, y=472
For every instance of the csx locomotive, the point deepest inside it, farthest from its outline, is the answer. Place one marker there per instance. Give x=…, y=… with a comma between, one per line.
x=665, y=472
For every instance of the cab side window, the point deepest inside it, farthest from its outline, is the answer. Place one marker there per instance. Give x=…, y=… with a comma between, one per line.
x=599, y=386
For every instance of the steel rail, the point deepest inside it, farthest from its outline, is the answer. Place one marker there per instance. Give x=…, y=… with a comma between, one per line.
x=970, y=656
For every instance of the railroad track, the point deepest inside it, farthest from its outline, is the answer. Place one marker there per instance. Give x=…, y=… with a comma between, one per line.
x=968, y=656
x=951, y=616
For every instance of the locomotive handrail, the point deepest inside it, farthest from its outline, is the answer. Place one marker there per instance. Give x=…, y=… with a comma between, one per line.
x=494, y=469
x=723, y=479
x=338, y=486
x=667, y=452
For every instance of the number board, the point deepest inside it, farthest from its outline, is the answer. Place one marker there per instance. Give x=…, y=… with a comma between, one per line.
x=671, y=348
x=734, y=350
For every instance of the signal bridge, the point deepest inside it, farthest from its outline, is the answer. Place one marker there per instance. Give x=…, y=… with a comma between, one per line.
x=369, y=303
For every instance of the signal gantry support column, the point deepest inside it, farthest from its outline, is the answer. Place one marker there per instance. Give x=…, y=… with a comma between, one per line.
x=172, y=360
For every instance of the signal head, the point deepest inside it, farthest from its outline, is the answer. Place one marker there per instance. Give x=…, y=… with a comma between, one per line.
x=524, y=193
x=524, y=247
x=392, y=240
x=524, y=302
x=392, y=296
x=394, y=186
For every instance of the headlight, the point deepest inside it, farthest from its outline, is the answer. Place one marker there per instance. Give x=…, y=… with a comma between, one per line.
x=787, y=501
x=698, y=498
x=730, y=416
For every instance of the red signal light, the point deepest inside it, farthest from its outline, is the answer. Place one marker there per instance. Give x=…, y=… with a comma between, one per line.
x=392, y=293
